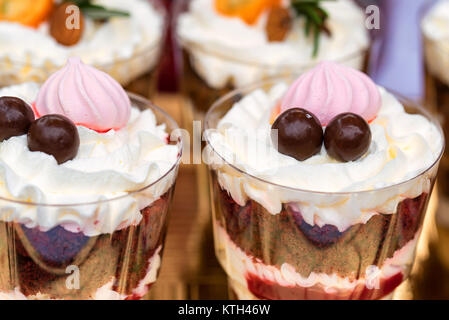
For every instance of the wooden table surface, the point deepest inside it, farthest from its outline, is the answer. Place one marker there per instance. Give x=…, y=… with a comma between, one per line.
x=190, y=270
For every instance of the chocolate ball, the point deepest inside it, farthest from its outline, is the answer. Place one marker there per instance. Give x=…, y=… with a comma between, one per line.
x=299, y=134
x=347, y=137
x=56, y=135
x=16, y=117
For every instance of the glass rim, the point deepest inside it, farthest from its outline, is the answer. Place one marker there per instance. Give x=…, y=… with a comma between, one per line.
x=233, y=58
x=168, y=119
x=138, y=54
x=148, y=48
x=274, y=80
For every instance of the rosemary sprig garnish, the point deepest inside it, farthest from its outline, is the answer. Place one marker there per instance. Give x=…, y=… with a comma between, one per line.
x=315, y=17
x=97, y=12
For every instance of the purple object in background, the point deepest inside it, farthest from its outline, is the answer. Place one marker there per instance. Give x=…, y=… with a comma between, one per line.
x=396, y=57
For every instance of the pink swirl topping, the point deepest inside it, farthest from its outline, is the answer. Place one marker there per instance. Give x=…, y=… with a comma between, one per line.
x=87, y=96
x=330, y=89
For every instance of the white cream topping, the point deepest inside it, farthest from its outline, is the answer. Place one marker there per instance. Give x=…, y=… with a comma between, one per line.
x=108, y=165
x=403, y=146
x=23, y=48
x=107, y=293
x=237, y=264
x=209, y=37
x=435, y=27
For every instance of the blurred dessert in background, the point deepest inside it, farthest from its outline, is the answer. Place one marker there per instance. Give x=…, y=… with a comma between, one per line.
x=319, y=188
x=228, y=44
x=435, y=30
x=122, y=38
x=85, y=188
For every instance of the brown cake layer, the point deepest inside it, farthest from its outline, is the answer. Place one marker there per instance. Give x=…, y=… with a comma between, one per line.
x=36, y=261
x=287, y=238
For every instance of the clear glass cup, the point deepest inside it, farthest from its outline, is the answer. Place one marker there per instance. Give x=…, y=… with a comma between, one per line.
x=280, y=256
x=138, y=73
x=64, y=263
x=436, y=59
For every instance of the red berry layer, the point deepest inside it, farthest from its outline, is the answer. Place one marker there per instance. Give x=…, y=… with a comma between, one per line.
x=267, y=290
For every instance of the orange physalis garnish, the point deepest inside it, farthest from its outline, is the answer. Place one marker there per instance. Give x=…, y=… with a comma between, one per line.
x=247, y=10
x=27, y=12
x=275, y=112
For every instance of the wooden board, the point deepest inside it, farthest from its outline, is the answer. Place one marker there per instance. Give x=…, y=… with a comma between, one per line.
x=189, y=268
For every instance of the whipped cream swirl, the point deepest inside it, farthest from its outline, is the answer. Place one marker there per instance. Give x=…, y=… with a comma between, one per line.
x=85, y=95
x=226, y=49
x=108, y=165
x=331, y=89
x=403, y=146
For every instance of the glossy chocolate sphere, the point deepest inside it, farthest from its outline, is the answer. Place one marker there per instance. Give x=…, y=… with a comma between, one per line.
x=16, y=117
x=55, y=135
x=347, y=137
x=299, y=134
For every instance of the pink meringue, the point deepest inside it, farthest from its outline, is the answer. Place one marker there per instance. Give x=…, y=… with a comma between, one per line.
x=330, y=89
x=85, y=95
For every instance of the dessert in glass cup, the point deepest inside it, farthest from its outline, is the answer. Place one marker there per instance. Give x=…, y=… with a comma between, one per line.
x=320, y=188
x=122, y=38
x=229, y=44
x=435, y=32
x=87, y=178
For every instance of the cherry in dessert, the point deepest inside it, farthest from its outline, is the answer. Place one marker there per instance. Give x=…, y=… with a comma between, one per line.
x=410, y=213
x=238, y=218
x=15, y=117
x=320, y=236
x=56, y=246
x=299, y=134
x=56, y=135
x=347, y=137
